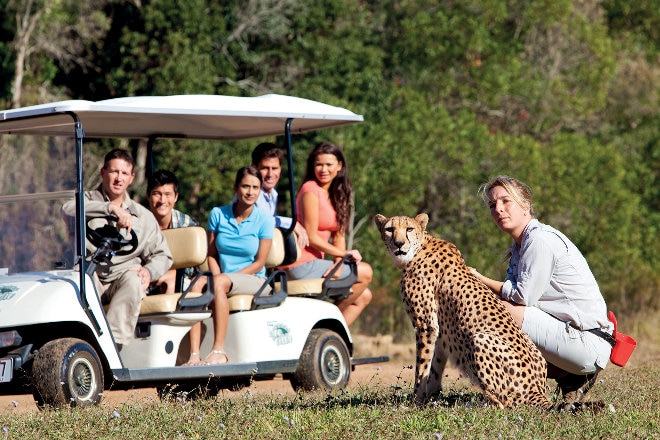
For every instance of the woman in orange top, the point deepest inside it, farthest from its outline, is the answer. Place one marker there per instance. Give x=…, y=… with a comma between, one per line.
x=323, y=205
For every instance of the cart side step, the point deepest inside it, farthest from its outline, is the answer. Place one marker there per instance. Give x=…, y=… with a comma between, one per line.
x=369, y=360
x=184, y=372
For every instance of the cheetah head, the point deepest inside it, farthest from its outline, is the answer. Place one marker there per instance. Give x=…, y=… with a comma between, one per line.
x=403, y=236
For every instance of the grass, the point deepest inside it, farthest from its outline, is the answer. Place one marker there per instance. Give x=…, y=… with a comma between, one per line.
x=631, y=395
x=372, y=411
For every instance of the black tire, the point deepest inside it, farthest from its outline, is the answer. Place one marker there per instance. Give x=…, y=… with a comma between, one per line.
x=67, y=372
x=324, y=363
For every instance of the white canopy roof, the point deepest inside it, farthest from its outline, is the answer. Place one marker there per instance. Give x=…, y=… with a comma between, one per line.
x=180, y=116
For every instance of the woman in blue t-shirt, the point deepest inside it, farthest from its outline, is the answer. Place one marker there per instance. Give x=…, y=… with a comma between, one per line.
x=239, y=237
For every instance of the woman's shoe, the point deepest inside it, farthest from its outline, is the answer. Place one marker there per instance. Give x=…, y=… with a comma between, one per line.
x=573, y=387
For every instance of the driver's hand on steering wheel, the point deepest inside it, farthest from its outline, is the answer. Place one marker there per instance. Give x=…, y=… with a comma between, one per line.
x=124, y=217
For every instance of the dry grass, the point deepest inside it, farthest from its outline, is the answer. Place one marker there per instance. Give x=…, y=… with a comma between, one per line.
x=381, y=408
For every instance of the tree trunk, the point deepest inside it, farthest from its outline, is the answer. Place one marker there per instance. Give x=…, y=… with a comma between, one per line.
x=25, y=26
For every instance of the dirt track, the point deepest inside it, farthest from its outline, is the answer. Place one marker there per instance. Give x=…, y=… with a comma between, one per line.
x=389, y=373
x=394, y=372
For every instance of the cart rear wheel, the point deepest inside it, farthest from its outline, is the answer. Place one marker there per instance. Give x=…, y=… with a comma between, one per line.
x=67, y=372
x=324, y=363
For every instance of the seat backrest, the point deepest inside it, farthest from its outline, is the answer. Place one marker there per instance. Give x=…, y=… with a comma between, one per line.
x=187, y=245
x=282, y=251
x=188, y=248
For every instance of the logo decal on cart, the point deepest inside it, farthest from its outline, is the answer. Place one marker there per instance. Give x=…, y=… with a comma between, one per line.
x=7, y=292
x=279, y=333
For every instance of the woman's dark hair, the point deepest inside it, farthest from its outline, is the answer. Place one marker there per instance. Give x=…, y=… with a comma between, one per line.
x=250, y=170
x=340, y=190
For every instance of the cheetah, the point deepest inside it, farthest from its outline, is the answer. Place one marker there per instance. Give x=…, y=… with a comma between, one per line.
x=457, y=318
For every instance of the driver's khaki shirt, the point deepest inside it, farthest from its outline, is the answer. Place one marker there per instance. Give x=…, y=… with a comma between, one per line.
x=151, y=252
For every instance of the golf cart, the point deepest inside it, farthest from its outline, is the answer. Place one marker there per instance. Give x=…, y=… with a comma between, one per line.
x=55, y=342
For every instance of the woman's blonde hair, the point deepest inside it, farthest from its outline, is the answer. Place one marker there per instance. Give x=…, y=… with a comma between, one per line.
x=517, y=189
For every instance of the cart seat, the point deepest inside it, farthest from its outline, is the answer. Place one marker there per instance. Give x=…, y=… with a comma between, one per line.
x=165, y=319
x=188, y=247
x=163, y=303
x=285, y=250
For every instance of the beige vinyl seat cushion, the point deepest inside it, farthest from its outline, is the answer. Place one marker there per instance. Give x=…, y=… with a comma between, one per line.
x=189, y=249
x=163, y=303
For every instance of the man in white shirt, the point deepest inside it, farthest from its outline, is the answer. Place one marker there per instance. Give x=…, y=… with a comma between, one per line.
x=267, y=157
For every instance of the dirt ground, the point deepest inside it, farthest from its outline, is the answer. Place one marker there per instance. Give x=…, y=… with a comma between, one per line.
x=396, y=372
x=385, y=373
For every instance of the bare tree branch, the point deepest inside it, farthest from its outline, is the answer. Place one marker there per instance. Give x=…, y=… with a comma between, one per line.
x=26, y=22
x=46, y=27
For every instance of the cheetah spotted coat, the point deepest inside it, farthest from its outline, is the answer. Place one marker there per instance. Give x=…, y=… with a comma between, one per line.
x=458, y=318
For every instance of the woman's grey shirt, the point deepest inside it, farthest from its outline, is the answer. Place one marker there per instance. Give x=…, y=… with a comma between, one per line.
x=549, y=272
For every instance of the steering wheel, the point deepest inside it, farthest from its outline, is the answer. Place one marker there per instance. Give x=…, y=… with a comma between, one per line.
x=108, y=237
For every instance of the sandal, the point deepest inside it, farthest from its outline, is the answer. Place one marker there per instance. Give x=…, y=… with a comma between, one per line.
x=212, y=358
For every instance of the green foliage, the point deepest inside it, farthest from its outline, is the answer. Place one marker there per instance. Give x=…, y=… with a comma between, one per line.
x=163, y=47
x=562, y=94
x=210, y=185
x=637, y=21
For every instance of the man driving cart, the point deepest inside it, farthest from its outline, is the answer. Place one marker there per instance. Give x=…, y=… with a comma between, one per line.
x=123, y=284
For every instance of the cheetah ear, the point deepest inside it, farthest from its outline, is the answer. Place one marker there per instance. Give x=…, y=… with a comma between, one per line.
x=423, y=220
x=380, y=221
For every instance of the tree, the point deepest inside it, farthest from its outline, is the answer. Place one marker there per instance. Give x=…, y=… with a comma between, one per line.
x=562, y=94
x=51, y=35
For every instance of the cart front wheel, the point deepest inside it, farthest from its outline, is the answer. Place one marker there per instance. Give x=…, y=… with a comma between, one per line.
x=67, y=372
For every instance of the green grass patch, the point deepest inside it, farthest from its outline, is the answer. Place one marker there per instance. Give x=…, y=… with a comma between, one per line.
x=630, y=395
